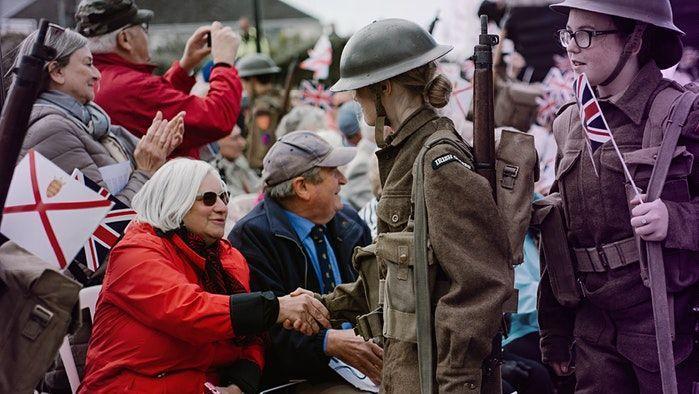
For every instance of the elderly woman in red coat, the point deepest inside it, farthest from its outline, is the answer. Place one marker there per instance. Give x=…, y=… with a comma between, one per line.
x=175, y=311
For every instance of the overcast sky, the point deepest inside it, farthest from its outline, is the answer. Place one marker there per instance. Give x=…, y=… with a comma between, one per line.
x=458, y=24
x=351, y=15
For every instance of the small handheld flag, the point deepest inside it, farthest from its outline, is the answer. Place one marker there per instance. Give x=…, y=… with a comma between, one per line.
x=594, y=124
x=109, y=231
x=319, y=59
x=48, y=213
x=315, y=94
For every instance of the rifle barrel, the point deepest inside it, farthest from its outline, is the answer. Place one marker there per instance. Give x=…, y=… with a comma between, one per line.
x=484, y=118
x=18, y=107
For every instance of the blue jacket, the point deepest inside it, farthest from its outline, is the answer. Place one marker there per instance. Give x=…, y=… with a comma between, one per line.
x=278, y=262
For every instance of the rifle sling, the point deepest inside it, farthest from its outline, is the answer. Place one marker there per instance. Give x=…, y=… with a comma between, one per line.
x=423, y=305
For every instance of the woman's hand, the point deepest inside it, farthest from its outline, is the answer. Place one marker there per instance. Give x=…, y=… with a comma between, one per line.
x=160, y=140
x=650, y=219
x=175, y=132
x=302, y=313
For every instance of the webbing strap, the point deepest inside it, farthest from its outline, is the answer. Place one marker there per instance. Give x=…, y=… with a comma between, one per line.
x=423, y=303
x=631, y=45
x=652, y=252
x=427, y=361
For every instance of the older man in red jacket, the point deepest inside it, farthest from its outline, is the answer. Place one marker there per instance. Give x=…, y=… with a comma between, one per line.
x=118, y=38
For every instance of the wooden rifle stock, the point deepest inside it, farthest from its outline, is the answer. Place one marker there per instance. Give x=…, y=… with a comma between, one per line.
x=18, y=107
x=287, y=85
x=483, y=105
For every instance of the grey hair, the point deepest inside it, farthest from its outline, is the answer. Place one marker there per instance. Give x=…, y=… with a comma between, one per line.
x=170, y=193
x=285, y=189
x=106, y=43
x=302, y=117
x=65, y=42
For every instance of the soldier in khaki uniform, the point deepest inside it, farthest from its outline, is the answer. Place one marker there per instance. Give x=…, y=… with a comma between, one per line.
x=610, y=320
x=390, y=67
x=265, y=105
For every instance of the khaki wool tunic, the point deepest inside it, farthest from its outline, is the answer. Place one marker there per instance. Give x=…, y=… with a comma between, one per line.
x=261, y=121
x=467, y=238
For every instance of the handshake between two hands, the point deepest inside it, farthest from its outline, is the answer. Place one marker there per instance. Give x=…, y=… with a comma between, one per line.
x=302, y=312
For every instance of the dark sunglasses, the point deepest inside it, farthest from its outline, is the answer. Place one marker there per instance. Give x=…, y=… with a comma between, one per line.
x=209, y=198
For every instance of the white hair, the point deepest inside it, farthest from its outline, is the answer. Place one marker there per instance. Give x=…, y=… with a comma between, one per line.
x=302, y=117
x=106, y=43
x=170, y=193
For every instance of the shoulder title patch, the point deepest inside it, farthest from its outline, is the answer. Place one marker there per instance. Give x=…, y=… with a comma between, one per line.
x=446, y=159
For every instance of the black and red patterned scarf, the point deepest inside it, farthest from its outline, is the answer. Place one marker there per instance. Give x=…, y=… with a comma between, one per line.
x=213, y=277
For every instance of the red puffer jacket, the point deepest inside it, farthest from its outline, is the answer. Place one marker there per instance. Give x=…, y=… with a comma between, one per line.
x=156, y=330
x=131, y=95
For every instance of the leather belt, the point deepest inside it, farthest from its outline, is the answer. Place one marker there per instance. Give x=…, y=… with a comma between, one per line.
x=607, y=257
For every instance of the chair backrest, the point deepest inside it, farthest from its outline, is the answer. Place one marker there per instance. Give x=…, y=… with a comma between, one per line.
x=88, y=299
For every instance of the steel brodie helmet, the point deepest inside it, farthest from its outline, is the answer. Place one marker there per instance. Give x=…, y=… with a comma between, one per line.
x=385, y=49
x=256, y=64
x=657, y=13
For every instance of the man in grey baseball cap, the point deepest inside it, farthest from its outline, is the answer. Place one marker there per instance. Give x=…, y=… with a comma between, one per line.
x=299, y=152
x=302, y=235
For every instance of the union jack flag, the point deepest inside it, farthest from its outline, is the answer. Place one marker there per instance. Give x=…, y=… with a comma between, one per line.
x=315, y=94
x=597, y=130
x=109, y=231
x=558, y=90
x=591, y=116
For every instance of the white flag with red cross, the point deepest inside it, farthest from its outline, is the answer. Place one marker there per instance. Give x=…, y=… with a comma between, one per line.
x=319, y=59
x=48, y=213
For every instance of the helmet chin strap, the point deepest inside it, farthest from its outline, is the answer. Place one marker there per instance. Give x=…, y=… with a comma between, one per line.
x=633, y=43
x=381, y=118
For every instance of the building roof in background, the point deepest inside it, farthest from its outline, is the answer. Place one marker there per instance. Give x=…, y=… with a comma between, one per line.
x=166, y=11
x=37, y=9
x=187, y=11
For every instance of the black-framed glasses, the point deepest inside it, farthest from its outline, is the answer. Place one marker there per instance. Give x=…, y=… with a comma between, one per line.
x=209, y=198
x=582, y=37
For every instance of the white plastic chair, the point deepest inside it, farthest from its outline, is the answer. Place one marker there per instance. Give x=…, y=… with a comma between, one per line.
x=88, y=299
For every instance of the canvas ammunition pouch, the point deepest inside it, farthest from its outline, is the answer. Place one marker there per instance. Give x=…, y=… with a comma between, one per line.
x=555, y=252
x=352, y=302
x=516, y=170
x=38, y=306
x=396, y=252
x=516, y=104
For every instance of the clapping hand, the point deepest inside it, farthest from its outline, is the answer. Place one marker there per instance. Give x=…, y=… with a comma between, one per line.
x=160, y=140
